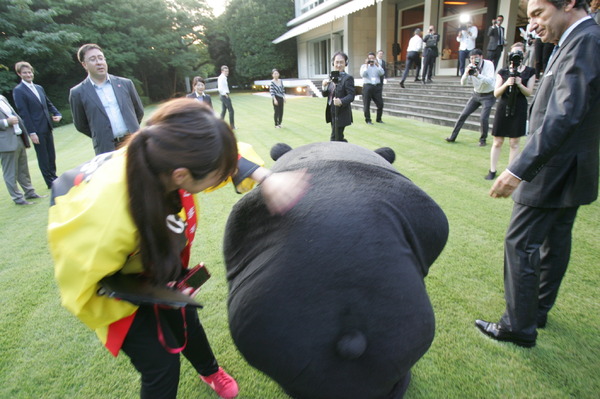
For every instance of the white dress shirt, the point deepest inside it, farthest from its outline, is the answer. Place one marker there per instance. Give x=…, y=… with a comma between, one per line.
x=415, y=44
x=467, y=40
x=485, y=82
x=222, y=85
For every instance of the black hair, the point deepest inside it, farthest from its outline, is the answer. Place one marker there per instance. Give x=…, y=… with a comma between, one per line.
x=182, y=133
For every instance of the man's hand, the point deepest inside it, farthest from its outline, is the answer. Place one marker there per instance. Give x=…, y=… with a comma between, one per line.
x=12, y=120
x=337, y=102
x=504, y=185
x=34, y=138
x=56, y=118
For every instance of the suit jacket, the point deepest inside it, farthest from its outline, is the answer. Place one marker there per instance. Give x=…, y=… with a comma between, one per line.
x=431, y=48
x=35, y=112
x=559, y=164
x=91, y=119
x=494, y=33
x=205, y=98
x=8, y=139
x=344, y=90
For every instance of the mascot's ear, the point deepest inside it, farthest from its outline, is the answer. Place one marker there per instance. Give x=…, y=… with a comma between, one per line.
x=386, y=152
x=278, y=150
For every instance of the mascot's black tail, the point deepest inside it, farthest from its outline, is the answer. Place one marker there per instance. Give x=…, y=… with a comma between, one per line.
x=351, y=345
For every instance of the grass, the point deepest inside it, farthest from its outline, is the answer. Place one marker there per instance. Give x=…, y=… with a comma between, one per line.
x=47, y=353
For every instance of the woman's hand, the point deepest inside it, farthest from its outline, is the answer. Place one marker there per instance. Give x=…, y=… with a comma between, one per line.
x=275, y=101
x=510, y=81
x=281, y=191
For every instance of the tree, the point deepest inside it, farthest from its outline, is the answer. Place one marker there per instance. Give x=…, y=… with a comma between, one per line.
x=252, y=25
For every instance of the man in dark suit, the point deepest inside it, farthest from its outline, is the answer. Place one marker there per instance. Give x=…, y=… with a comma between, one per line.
x=339, y=96
x=496, y=40
x=198, y=93
x=382, y=64
x=105, y=107
x=13, y=142
x=35, y=108
x=556, y=172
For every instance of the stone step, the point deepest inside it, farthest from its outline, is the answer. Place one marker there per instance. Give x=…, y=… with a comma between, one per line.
x=440, y=102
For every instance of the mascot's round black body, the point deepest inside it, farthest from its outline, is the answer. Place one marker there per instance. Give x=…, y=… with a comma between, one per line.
x=329, y=299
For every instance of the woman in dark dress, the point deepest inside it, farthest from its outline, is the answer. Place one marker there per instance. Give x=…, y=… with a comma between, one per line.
x=510, y=122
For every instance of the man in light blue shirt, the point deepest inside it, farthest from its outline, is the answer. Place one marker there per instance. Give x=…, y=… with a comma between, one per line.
x=371, y=73
x=105, y=107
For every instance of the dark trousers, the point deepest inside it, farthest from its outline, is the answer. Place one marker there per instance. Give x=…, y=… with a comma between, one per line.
x=375, y=93
x=463, y=55
x=412, y=58
x=494, y=55
x=46, y=156
x=486, y=101
x=542, y=55
x=537, y=249
x=278, y=110
x=428, y=62
x=159, y=368
x=226, y=101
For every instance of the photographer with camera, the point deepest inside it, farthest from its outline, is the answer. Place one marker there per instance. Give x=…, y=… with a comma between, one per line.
x=339, y=90
x=371, y=73
x=496, y=41
x=466, y=37
x=430, y=53
x=513, y=85
x=480, y=72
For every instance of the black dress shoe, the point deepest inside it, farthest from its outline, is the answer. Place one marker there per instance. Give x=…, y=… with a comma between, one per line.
x=450, y=140
x=369, y=123
x=402, y=85
x=417, y=80
x=494, y=331
x=482, y=143
x=379, y=121
x=23, y=202
x=490, y=176
x=34, y=196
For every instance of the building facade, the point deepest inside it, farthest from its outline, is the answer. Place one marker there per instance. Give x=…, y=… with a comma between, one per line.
x=357, y=27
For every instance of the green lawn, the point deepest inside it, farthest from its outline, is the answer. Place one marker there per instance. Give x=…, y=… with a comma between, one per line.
x=47, y=353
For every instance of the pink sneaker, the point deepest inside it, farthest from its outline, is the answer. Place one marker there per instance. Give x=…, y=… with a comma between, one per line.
x=222, y=383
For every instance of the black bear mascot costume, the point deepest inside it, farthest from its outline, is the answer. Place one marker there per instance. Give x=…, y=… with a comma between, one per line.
x=329, y=299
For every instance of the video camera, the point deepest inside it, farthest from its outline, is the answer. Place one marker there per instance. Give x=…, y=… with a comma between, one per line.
x=334, y=76
x=515, y=59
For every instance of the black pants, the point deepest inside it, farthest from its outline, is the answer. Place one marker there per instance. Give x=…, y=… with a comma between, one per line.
x=159, y=368
x=278, y=110
x=375, y=93
x=428, y=62
x=477, y=100
x=494, y=55
x=226, y=101
x=463, y=55
x=46, y=156
x=412, y=58
x=537, y=249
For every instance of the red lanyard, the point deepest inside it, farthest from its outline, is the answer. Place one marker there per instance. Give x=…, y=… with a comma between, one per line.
x=188, y=203
x=187, y=200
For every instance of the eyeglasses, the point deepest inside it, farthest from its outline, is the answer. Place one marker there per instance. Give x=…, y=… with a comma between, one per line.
x=96, y=58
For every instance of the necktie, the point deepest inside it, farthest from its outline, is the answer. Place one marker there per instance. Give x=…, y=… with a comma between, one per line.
x=501, y=37
x=34, y=90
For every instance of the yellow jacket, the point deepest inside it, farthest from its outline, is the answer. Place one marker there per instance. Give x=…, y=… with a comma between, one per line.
x=91, y=235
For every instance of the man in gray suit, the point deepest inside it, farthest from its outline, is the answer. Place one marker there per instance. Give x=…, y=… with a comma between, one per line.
x=556, y=172
x=13, y=141
x=105, y=107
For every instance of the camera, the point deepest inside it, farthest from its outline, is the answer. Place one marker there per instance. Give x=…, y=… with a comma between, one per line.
x=473, y=68
x=371, y=62
x=515, y=58
x=334, y=76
